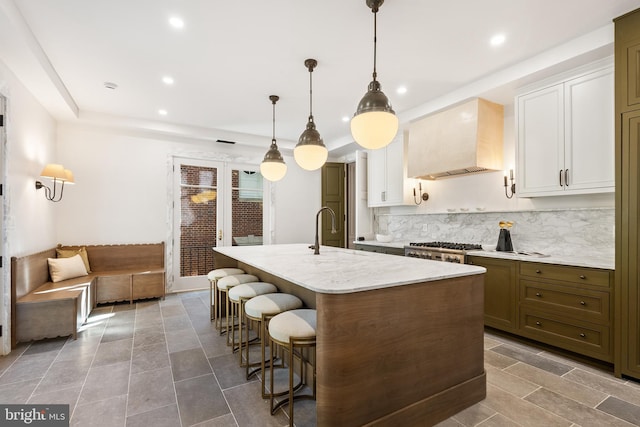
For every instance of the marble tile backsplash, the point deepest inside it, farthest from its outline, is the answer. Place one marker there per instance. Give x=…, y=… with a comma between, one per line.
x=566, y=232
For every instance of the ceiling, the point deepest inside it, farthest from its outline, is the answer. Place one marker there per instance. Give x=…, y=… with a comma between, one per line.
x=231, y=55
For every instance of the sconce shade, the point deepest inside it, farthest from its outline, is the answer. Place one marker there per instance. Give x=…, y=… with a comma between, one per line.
x=69, y=177
x=60, y=176
x=310, y=152
x=54, y=171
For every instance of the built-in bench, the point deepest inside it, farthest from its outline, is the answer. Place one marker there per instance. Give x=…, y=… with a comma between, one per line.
x=41, y=308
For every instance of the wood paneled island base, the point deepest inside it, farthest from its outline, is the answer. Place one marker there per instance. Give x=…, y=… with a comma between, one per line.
x=409, y=354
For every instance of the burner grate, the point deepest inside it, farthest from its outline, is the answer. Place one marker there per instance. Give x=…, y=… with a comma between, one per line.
x=448, y=245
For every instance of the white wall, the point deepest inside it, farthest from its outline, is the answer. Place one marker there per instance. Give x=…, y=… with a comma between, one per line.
x=123, y=188
x=29, y=219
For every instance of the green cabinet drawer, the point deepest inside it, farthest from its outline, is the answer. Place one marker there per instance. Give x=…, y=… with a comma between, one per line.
x=578, y=275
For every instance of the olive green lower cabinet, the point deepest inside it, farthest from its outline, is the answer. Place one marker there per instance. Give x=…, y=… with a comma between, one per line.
x=563, y=306
x=500, y=292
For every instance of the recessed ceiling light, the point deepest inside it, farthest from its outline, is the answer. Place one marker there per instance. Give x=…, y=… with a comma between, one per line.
x=162, y=112
x=168, y=80
x=346, y=119
x=498, y=39
x=401, y=90
x=176, y=22
x=110, y=85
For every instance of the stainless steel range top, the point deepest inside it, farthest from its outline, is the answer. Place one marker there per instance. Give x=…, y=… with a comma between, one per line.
x=440, y=251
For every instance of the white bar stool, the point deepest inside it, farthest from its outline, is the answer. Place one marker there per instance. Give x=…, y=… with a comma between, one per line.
x=261, y=309
x=213, y=277
x=240, y=294
x=223, y=285
x=294, y=331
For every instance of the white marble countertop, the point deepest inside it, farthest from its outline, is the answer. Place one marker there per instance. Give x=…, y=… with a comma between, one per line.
x=337, y=270
x=580, y=260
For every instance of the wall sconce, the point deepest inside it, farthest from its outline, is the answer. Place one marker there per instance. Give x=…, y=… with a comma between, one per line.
x=60, y=176
x=513, y=184
x=421, y=196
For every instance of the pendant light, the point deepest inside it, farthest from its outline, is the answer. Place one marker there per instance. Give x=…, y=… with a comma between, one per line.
x=374, y=125
x=310, y=152
x=273, y=167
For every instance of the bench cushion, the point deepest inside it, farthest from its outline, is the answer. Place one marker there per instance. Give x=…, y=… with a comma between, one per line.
x=66, y=268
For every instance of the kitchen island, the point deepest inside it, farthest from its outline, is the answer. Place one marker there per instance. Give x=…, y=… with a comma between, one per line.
x=399, y=340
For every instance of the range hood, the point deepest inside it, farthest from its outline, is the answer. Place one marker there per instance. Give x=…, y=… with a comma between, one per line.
x=464, y=139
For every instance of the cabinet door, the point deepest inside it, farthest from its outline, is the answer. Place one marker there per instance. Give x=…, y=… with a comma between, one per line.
x=628, y=269
x=589, y=133
x=500, y=292
x=540, y=141
x=396, y=171
x=377, y=177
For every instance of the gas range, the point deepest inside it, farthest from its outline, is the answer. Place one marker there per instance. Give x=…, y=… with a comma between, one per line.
x=440, y=251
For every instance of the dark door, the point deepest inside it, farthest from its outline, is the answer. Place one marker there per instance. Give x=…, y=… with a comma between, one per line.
x=333, y=197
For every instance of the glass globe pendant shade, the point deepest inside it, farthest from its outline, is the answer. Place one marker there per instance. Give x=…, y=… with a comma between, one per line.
x=375, y=124
x=310, y=153
x=273, y=167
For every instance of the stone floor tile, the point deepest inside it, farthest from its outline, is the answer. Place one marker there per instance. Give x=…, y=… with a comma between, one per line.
x=149, y=336
x=84, y=347
x=526, y=413
x=532, y=358
x=68, y=396
x=250, y=409
x=612, y=385
x=177, y=323
x=185, y=339
x=513, y=384
x=213, y=344
x=621, y=409
x=150, y=390
x=64, y=374
x=498, y=420
x=228, y=371
x=28, y=367
x=173, y=310
x=18, y=392
x=117, y=331
x=104, y=413
x=200, y=399
x=497, y=360
x=576, y=412
x=50, y=344
x=189, y=364
x=226, y=420
x=474, y=414
x=104, y=382
x=561, y=385
x=113, y=352
x=167, y=416
x=149, y=358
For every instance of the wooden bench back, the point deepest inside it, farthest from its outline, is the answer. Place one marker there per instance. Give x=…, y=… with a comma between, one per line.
x=29, y=272
x=124, y=257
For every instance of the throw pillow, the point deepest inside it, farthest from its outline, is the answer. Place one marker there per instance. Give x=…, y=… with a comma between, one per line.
x=62, y=252
x=66, y=268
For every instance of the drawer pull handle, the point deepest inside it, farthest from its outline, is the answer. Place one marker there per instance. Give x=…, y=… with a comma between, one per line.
x=538, y=294
x=538, y=271
x=583, y=303
x=583, y=335
x=538, y=324
x=582, y=276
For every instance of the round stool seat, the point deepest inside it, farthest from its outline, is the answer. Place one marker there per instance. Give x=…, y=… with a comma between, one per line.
x=250, y=290
x=219, y=273
x=293, y=324
x=270, y=304
x=228, y=282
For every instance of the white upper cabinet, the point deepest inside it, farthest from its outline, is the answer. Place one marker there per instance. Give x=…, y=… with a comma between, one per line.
x=566, y=135
x=386, y=174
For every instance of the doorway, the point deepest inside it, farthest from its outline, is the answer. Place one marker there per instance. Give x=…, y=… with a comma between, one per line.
x=215, y=204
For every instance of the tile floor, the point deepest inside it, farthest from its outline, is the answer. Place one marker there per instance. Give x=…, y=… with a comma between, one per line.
x=161, y=363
